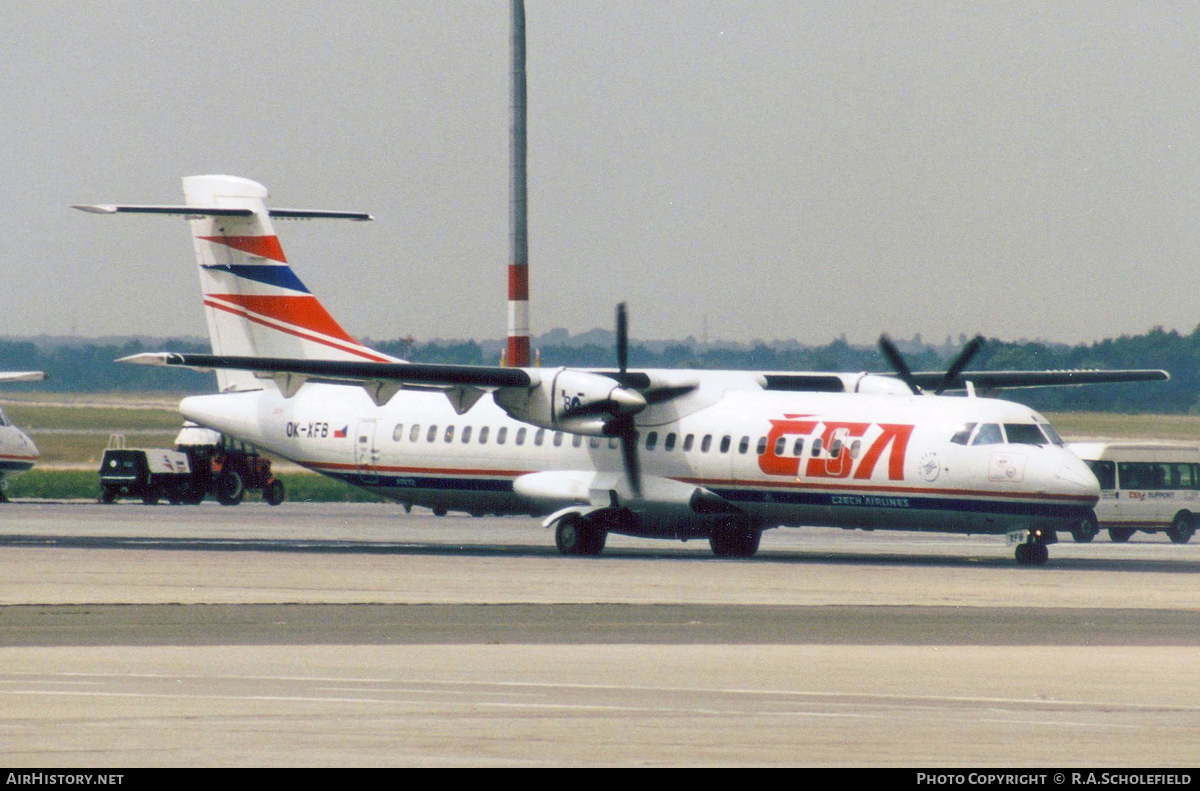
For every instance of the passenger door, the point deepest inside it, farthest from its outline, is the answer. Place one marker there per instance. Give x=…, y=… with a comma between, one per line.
x=366, y=452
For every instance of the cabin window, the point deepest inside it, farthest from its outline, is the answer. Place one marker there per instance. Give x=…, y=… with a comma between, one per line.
x=594, y=443
x=835, y=448
x=558, y=435
x=576, y=440
x=1024, y=434
x=450, y=433
x=483, y=434
x=816, y=447
x=415, y=434
x=398, y=432
x=988, y=434
x=1185, y=476
x=1105, y=472
x=651, y=440
x=432, y=435
x=502, y=435
x=744, y=445
x=798, y=447
x=612, y=443
x=963, y=434
x=855, y=447
x=780, y=446
x=761, y=448
x=466, y=435
x=687, y=442
x=669, y=442
x=1140, y=475
x=706, y=443
x=539, y=437
x=725, y=440
x=521, y=435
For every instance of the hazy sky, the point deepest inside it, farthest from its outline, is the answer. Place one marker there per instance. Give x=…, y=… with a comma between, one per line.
x=783, y=169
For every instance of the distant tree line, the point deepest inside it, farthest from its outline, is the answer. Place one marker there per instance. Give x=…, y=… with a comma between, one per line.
x=90, y=367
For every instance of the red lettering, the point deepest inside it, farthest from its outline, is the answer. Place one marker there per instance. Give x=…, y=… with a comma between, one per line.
x=895, y=435
x=772, y=464
x=833, y=440
x=837, y=435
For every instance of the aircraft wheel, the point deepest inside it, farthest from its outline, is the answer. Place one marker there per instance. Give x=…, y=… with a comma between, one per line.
x=1086, y=530
x=108, y=496
x=149, y=498
x=1182, y=528
x=274, y=492
x=230, y=487
x=574, y=535
x=1119, y=535
x=734, y=541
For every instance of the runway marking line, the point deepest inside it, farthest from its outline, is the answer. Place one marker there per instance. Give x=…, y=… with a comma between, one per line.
x=859, y=696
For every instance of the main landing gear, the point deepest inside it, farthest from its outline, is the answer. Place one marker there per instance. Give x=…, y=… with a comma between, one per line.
x=579, y=535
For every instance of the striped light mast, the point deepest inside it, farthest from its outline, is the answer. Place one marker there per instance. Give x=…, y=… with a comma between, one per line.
x=517, y=355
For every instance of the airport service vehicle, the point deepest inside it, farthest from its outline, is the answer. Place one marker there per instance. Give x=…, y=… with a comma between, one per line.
x=17, y=451
x=672, y=454
x=204, y=463
x=1152, y=487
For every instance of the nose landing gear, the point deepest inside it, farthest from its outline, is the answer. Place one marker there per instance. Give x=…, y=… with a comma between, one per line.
x=1034, y=550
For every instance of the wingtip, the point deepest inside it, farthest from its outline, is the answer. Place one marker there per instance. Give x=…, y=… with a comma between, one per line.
x=146, y=358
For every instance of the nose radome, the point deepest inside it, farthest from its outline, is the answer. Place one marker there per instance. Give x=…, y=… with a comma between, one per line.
x=1075, y=472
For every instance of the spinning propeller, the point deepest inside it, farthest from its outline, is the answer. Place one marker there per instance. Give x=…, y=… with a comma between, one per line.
x=623, y=426
x=889, y=350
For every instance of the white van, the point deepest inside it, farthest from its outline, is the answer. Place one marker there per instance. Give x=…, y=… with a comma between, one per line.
x=1148, y=487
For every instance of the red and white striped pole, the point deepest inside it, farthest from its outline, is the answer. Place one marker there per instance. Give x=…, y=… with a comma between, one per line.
x=518, y=268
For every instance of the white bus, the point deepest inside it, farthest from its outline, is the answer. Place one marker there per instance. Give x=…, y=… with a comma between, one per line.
x=1148, y=487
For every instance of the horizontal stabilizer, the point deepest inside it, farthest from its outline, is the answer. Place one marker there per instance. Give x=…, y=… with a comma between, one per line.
x=420, y=374
x=213, y=211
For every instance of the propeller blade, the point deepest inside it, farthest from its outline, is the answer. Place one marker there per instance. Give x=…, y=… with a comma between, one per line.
x=626, y=430
x=623, y=426
x=622, y=339
x=960, y=363
x=896, y=360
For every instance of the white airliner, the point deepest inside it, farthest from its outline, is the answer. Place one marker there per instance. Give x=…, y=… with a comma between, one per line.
x=17, y=451
x=675, y=454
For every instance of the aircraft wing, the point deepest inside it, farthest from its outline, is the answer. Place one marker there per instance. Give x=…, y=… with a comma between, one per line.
x=22, y=376
x=992, y=380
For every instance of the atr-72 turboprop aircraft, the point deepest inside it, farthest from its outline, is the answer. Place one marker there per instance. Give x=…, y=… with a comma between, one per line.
x=17, y=451
x=677, y=454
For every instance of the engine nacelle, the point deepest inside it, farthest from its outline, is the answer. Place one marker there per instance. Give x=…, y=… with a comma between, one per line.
x=874, y=384
x=575, y=401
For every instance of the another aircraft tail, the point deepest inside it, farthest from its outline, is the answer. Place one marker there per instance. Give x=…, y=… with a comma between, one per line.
x=255, y=304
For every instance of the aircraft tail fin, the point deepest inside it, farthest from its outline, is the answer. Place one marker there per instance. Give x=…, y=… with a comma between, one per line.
x=254, y=303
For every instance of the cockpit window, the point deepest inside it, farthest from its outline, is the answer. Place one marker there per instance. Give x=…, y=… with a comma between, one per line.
x=3, y=419
x=988, y=434
x=1024, y=434
x=1052, y=434
x=964, y=432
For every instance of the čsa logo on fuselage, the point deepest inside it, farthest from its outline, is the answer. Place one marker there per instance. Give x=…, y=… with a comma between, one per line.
x=835, y=449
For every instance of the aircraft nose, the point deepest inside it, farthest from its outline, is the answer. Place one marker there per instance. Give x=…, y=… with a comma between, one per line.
x=31, y=449
x=1077, y=476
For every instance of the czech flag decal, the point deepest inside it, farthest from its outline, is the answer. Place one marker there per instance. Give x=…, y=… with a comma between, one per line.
x=340, y=432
